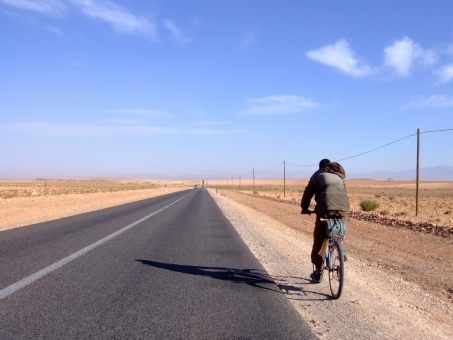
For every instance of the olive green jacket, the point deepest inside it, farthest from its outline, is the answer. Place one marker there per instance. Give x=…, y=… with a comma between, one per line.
x=328, y=187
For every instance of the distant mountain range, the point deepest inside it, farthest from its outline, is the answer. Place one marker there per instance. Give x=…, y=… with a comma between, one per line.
x=438, y=173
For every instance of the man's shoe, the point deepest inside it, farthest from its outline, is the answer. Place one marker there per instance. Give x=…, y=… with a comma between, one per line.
x=317, y=275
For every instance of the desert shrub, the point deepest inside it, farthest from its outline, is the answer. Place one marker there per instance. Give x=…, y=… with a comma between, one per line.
x=377, y=195
x=401, y=213
x=369, y=205
x=384, y=212
x=255, y=192
x=391, y=198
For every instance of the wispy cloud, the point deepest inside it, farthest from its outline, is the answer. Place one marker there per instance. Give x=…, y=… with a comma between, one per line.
x=175, y=32
x=212, y=132
x=445, y=73
x=340, y=56
x=142, y=112
x=105, y=129
x=54, y=30
x=50, y=7
x=208, y=123
x=404, y=54
x=121, y=19
x=431, y=101
x=247, y=40
x=122, y=121
x=75, y=130
x=278, y=105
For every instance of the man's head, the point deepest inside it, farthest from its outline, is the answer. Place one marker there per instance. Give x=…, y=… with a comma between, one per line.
x=324, y=162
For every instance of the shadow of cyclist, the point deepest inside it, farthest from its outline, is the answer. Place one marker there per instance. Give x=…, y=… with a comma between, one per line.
x=253, y=277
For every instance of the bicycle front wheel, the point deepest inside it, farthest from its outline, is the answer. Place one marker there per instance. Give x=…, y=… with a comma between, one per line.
x=336, y=270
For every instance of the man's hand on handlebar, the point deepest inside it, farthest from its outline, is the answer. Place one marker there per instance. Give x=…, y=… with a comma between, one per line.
x=306, y=212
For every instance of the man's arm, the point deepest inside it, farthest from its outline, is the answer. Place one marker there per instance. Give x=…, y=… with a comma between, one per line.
x=309, y=192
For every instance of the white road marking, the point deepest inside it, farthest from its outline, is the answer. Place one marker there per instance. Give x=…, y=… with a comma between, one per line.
x=39, y=274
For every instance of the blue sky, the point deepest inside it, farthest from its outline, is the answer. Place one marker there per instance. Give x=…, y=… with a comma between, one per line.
x=218, y=88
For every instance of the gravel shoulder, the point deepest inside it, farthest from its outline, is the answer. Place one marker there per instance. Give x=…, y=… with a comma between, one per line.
x=381, y=300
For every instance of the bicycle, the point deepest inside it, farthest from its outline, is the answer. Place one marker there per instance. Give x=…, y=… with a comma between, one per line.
x=335, y=256
x=334, y=262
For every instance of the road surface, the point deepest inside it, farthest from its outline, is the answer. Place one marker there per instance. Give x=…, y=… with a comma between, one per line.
x=170, y=267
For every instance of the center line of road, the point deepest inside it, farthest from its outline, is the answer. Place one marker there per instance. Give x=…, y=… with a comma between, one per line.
x=39, y=274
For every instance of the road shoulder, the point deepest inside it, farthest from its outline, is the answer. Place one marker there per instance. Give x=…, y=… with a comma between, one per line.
x=374, y=303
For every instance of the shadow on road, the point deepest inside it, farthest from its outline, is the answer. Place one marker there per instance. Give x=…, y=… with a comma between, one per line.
x=253, y=277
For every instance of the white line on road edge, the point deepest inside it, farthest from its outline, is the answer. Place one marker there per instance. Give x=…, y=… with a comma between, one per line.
x=39, y=274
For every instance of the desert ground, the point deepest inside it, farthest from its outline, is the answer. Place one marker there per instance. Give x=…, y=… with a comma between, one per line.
x=400, y=264
x=27, y=202
x=396, y=198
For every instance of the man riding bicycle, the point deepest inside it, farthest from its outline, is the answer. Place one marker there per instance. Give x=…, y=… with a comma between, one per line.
x=328, y=186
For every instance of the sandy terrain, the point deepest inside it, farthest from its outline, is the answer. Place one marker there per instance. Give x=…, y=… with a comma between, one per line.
x=396, y=198
x=399, y=280
x=397, y=286
x=27, y=202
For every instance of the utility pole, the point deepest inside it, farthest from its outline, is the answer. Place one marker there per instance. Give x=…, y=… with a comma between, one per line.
x=418, y=172
x=253, y=179
x=284, y=179
x=239, y=182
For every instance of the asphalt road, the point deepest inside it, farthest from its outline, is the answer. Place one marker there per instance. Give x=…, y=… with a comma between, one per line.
x=170, y=267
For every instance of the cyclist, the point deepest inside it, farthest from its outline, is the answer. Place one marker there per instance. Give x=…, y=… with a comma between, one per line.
x=328, y=186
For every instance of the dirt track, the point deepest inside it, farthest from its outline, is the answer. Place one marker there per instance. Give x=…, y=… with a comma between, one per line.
x=399, y=282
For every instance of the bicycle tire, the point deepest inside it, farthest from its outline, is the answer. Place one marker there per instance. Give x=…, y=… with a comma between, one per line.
x=336, y=269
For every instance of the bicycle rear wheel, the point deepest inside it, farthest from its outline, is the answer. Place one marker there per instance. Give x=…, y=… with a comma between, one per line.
x=336, y=270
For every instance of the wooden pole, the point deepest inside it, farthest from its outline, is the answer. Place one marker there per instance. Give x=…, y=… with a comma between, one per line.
x=253, y=179
x=284, y=179
x=418, y=172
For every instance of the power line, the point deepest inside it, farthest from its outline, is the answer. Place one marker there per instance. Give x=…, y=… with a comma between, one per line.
x=270, y=169
x=380, y=147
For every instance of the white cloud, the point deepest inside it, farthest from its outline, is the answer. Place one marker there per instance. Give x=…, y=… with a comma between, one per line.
x=41, y=6
x=54, y=30
x=211, y=132
x=175, y=32
x=247, y=40
x=74, y=130
x=208, y=123
x=278, y=105
x=431, y=101
x=340, y=56
x=122, y=20
x=404, y=53
x=122, y=121
x=106, y=129
x=445, y=73
x=142, y=112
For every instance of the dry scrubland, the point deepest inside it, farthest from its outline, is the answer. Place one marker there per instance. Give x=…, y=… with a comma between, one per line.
x=396, y=198
x=27, y=202
x=52, y=187
x=391, y=239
